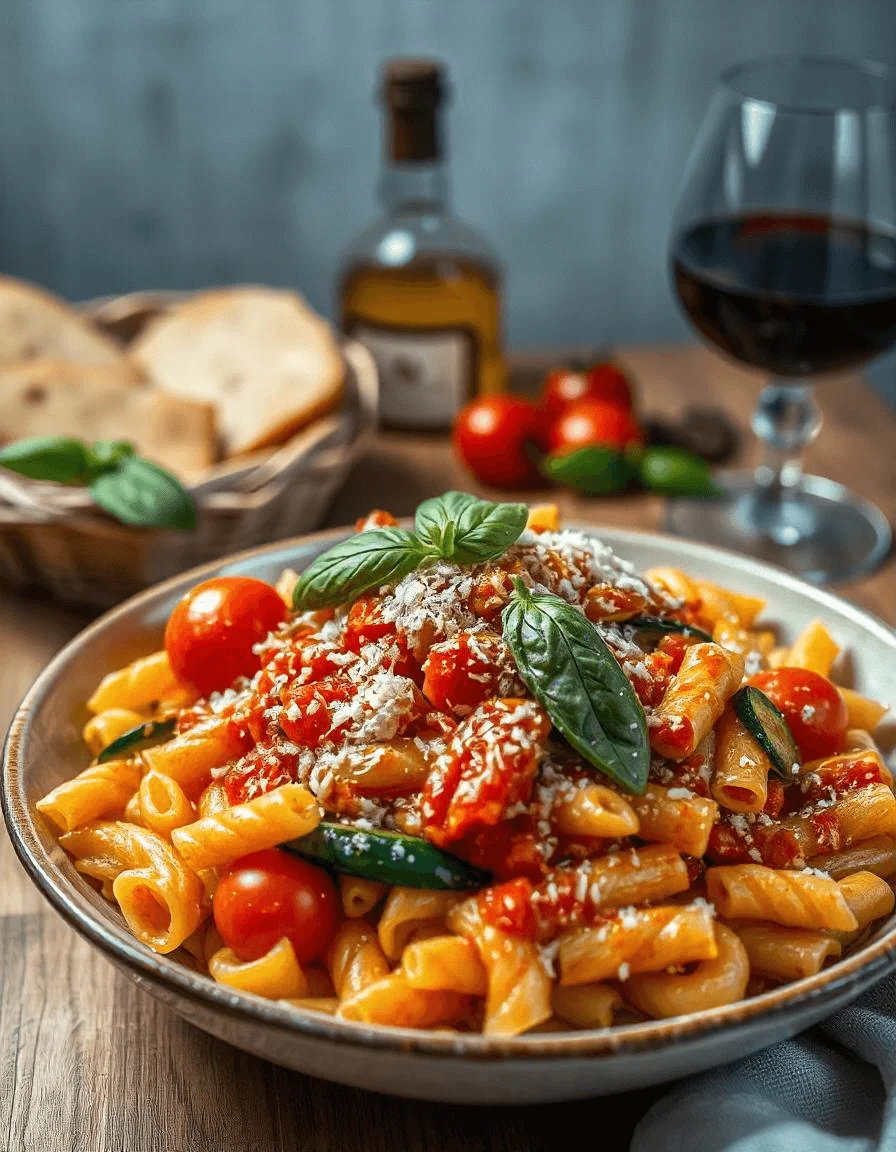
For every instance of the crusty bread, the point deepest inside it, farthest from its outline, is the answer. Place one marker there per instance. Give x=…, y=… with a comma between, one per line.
x=34, y=324
x=268, y=362
x=105, y=402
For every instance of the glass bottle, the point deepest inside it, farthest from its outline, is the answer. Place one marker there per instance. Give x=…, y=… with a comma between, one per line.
x=419, y=289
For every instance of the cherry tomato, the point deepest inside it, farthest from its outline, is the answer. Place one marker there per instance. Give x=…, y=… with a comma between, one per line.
x=812, y=706
x=211, y=632
x=566, y=386
x=490, y=436
x=590, y=422
x=267, y=895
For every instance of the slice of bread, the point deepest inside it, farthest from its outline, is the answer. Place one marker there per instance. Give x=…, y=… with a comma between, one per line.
x=268, y=362
x=35, y=324
x=106, y=402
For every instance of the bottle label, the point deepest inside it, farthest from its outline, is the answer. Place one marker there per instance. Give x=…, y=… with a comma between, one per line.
x=426, y=375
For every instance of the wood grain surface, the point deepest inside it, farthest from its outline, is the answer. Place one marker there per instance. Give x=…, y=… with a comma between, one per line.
x=89, y=1063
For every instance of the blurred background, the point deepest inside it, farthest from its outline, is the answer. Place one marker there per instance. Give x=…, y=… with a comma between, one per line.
x=163, y=143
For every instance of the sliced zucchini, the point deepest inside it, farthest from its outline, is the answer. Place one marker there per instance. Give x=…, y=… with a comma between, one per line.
x=388, y=857
x=769, y=729
x=657, y=627
x=145, y=735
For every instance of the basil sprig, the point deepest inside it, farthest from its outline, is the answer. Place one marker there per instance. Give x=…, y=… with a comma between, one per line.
x=133, y=490
x=467, y=530
x=455, y=526
x=571, y=671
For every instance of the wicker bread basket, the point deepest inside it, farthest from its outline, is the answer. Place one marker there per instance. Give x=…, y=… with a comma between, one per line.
x=56, y=540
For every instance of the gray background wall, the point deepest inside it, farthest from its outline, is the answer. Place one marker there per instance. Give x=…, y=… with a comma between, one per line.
x=178, y=143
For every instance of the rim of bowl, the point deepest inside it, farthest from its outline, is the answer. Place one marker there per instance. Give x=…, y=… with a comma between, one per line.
x=861, y=968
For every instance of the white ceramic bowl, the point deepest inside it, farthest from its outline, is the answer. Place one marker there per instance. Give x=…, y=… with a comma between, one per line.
x=44, y=747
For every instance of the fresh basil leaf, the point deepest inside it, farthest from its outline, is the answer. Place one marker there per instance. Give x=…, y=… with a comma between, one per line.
x=572, y=672
x=655, y=628
x=367, y=560
x=596, y=471
x=468, y=530
x=59, y=458
x=139, y=492
x=674, y=472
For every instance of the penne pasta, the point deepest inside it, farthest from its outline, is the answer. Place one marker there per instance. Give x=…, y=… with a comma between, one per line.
x=717, y=602
x=102, y=729
x=794, y=899
x=393, y=1002
x=814, y=649
x=101, y=790
x=862, y=712
x=519, y=989
x=359, y=895
x=675, y=816
x=406, y=911
x=869, y=897
x=714, y=982
x=190, y=757
x=786, y=953
x=740, y=777
x=709, y=676
x=877, y=855
x=355, y=958
x=586, y=1005
x=445, y=963
x=276, y=975
x=163, y=804
x=637, y=940
x=284, y=814
x=162, y=900
x=138, y=686
x=542, y=810
x=594, y=811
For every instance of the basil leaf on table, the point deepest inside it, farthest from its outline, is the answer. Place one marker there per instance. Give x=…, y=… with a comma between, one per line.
x=674, y=472
x=575, y=676
x=59, y=458
x=596, y=471
x=138, y=492
x=468, y=530
x=367, y=560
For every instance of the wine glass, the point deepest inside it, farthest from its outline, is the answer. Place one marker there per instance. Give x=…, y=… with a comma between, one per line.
x=783, y=255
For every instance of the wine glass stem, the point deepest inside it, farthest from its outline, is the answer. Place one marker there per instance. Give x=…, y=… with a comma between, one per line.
x=786, y=420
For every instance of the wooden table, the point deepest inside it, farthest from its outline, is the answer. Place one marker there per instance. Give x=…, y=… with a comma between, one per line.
x=90, y=1064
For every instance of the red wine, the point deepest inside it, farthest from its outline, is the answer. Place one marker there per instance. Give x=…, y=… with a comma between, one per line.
x=795, y=295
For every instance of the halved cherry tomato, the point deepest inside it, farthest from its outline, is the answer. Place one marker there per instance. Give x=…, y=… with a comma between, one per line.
x=602, y=382
x=812, y=706
x=267, y=895
x=491, y=435
x=211, y=632
x=590, y=422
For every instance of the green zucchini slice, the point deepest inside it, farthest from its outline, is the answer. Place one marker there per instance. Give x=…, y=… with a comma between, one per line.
x=769, y=729
x=388, y=857
x=145, y=735
x=657, y=627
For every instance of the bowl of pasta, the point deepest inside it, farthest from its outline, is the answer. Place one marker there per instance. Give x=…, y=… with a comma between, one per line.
x=479, y=808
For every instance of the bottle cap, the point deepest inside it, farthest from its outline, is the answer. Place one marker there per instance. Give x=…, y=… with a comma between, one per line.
x=412, y=88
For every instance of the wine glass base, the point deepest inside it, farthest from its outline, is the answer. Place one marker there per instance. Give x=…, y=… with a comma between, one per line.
x=818, y=529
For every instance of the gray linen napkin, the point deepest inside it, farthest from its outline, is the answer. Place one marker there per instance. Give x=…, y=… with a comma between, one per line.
x=833, y=1089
